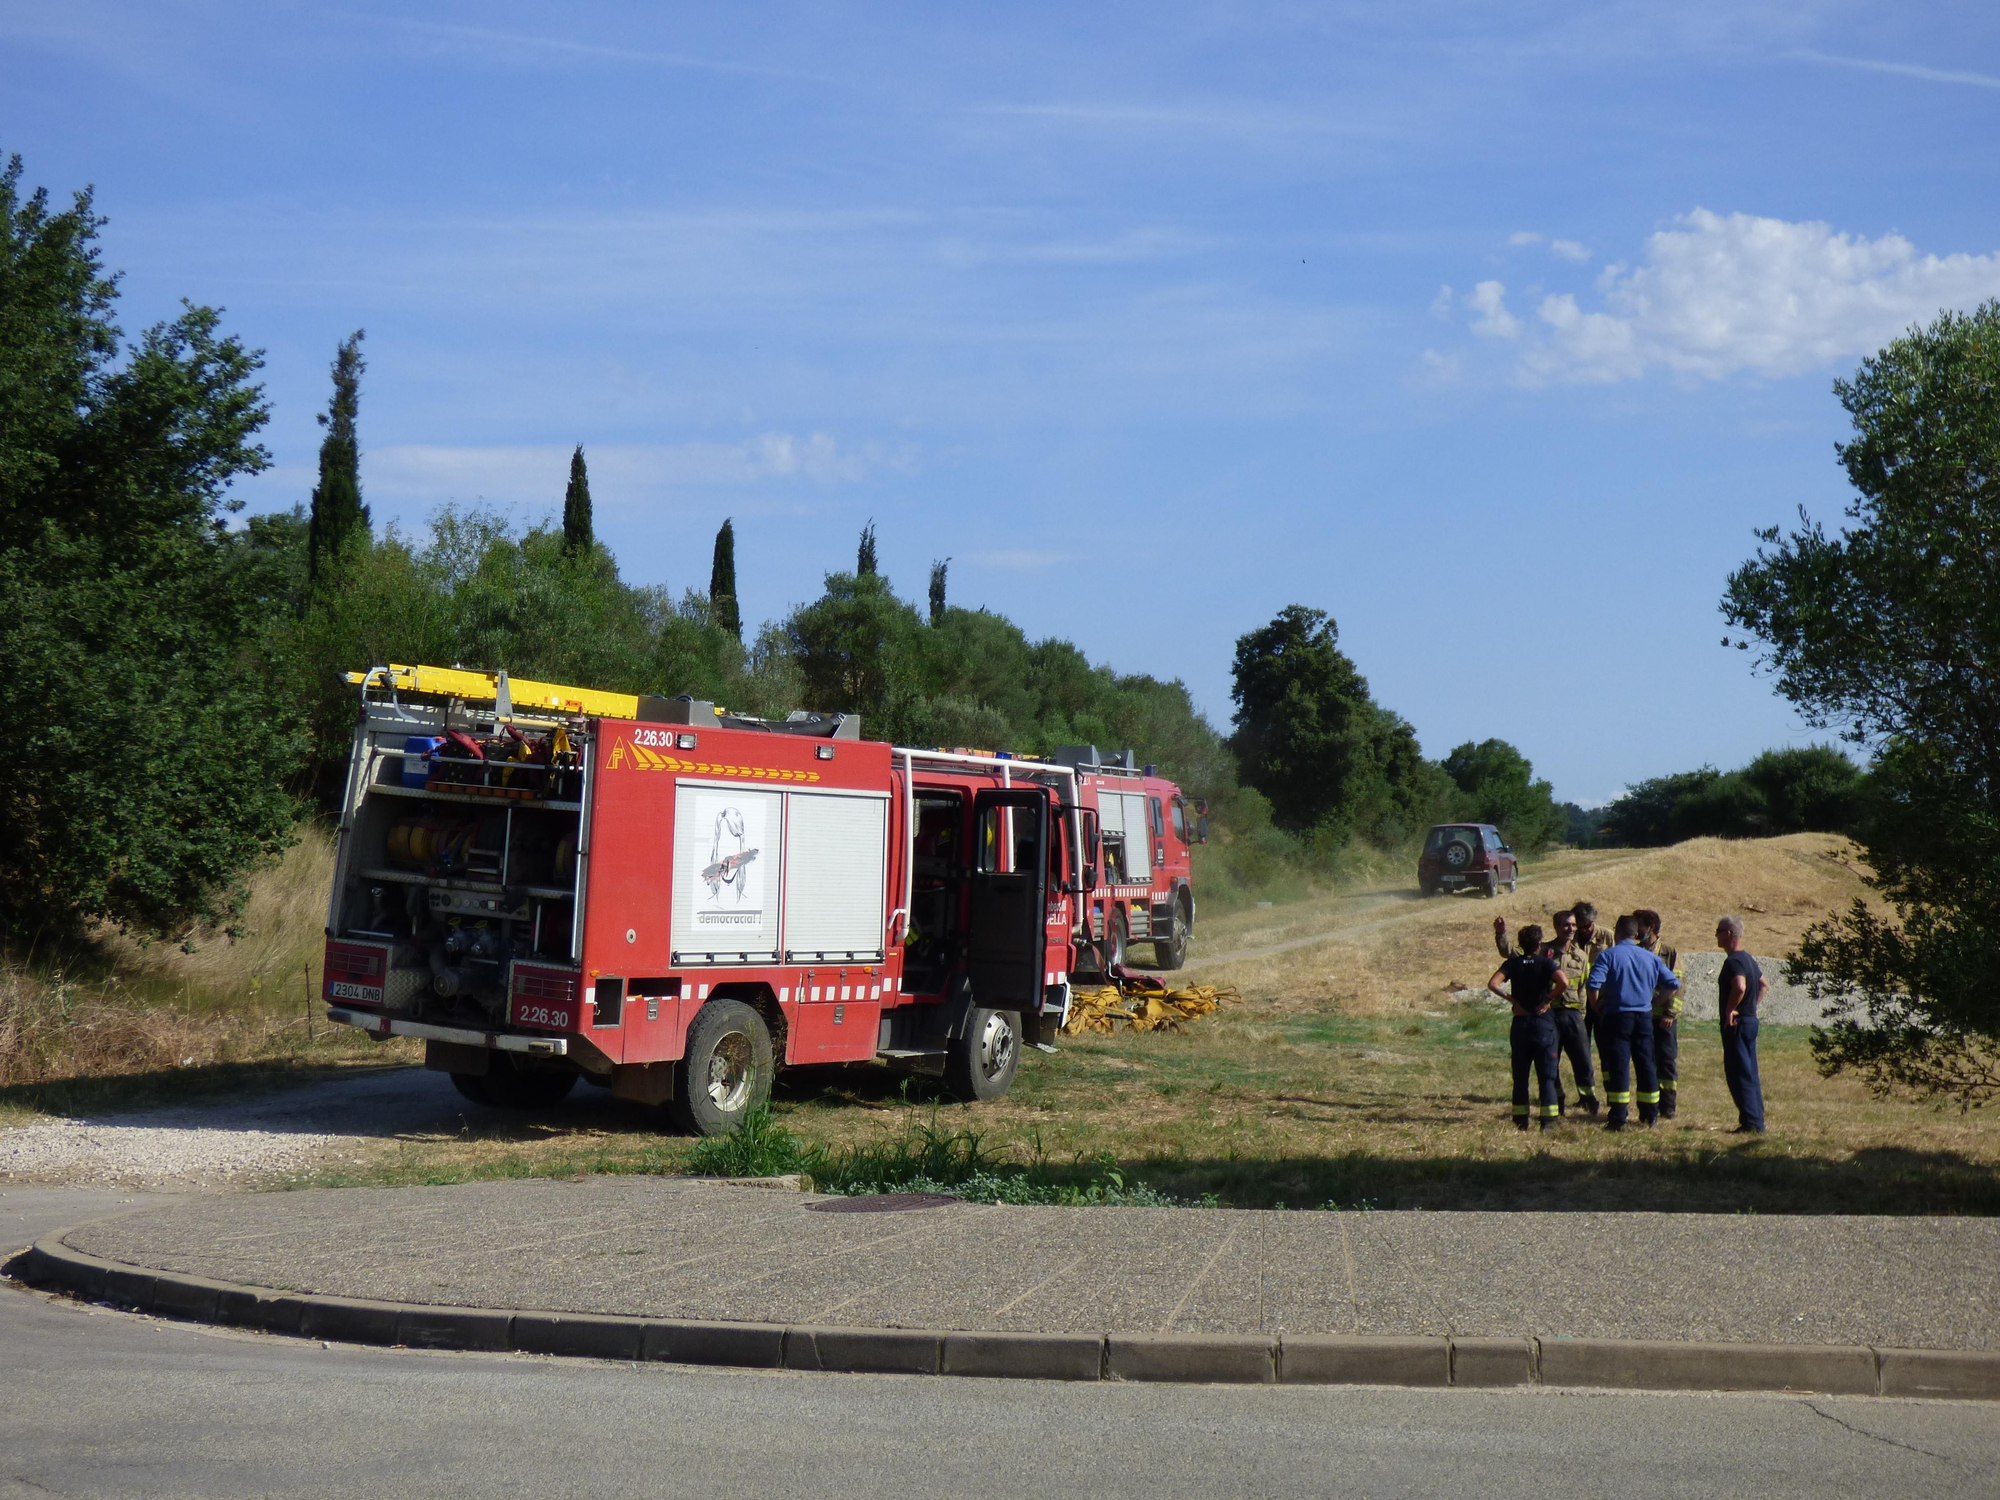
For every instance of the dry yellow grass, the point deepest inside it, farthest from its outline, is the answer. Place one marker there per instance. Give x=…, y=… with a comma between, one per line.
x=1388, y=950
x=131, y=1022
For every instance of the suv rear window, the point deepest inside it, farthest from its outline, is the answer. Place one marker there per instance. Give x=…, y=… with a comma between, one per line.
x=1442, y=836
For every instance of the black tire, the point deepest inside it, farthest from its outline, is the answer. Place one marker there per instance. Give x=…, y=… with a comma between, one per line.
x=981, y=1064
x=1116, y=947
x=726, y=1071
x=1492, y=885
x=1513, y=883
x=1427, y=887
x=1170, y=952
x=472, y=1085
x=508, y=1085
x=1457, y=854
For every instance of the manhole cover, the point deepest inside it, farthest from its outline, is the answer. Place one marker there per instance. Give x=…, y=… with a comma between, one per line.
x=882, y=1203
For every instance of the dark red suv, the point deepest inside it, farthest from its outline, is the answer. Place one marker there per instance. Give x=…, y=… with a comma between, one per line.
x=1466, y=857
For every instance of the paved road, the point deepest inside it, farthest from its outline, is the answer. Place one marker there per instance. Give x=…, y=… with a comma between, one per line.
x=100, y=1403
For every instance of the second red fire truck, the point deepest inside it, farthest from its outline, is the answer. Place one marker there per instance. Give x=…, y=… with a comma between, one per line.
x=549, y=884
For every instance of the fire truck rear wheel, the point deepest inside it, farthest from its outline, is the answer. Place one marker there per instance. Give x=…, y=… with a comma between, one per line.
x=1170, y=952
x=505, y=1086
x=980, y=1064
x=726, y=1071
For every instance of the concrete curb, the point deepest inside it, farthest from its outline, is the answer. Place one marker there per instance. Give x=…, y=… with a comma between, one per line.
x=1255, y=1359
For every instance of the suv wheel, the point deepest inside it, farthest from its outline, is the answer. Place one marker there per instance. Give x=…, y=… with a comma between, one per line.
x=1492, y=885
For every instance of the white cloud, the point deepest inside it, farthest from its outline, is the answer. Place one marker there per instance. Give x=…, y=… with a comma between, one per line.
x=535, y=474
x=1906, y=70
x=1524, y=237
x=1441, y=303
x=1569, y=250
x=1489, y=300
x=1436, y=370
x=1714, y=295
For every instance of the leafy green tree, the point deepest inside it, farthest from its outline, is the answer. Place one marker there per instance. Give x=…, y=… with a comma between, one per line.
x=725, y=611
x=1499, y=787
x=937, y=591
x=338, y=516
x=1890, y=629
x=579, y=536
x=1312, y=740
x=149, y=739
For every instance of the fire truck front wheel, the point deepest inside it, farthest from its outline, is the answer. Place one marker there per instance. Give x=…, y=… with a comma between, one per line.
x=1170, y=952
x=980, y=1064
x=726, y=1071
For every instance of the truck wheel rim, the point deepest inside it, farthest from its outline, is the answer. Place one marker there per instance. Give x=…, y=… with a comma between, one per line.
x=996, y=1046
x=730, y=1068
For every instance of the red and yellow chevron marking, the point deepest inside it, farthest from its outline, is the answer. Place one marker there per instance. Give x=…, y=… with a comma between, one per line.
x=627, y=756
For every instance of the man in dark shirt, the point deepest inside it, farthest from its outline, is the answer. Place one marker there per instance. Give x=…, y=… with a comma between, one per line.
x=1533, y=979
x=1742, y=986
x=1566, y=1011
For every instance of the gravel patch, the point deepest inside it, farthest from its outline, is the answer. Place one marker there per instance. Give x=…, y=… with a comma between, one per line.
x=217, y=1145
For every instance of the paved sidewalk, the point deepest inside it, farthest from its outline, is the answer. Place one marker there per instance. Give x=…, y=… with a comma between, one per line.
x=677, y=1248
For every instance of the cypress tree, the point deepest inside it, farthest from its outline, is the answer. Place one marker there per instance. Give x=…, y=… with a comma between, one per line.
x=578, y=538
x=337, y=511
x=937, y=591
x=722, y=583
x=864, y=562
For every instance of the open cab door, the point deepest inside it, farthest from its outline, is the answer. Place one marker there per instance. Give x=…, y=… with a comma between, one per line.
x=1010, y=860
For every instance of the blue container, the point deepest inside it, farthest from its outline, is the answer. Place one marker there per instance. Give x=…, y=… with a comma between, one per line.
x=416, y=758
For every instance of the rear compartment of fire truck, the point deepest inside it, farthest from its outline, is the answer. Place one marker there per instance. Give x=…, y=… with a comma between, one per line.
x=458, y=881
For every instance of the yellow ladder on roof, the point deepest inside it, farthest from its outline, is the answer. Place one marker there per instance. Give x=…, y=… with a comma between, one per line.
x=526, y=696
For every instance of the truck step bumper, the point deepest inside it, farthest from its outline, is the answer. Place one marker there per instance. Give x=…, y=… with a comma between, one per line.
x=386, y=1026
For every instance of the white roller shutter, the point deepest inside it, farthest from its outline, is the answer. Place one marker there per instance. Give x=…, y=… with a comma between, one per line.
x=728, y=857
x=1138, y=840
x=837, y=852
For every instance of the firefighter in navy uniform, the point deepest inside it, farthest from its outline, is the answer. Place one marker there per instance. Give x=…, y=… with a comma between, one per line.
x=1666, y=1014
x=1533, y=980
x=1566, y=1009
x=1622, y=982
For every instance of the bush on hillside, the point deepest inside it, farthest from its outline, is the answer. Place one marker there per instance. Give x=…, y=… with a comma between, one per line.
x=1813, y=789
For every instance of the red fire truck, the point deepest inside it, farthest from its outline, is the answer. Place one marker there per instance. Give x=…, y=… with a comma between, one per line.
x=548, y=884
x=1142, y=830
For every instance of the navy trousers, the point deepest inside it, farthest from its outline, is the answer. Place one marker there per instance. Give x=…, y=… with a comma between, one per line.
x=1534, y=1045
x=1667, y=1063
x=1570, y=1042
x=1625, y=1047
x=1739, y=1066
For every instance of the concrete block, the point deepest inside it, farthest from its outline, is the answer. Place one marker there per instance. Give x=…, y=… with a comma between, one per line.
x=1329, y=1360
x=1492, y=1362
x=454, y=1328
x=1653, y=1365
x=1955, y=1374
x=348, y=1319
x=186, y=1296
x=757, y=1346
x=578, y=1335
x=128, y=1286
x=879, y=1351
x=1240, y=1359
x=1025, y=1356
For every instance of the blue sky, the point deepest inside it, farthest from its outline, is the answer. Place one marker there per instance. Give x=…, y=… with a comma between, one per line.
x=1493, y=330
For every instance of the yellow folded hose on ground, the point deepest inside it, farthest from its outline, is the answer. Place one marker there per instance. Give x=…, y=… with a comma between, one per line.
x=1105, y=1008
